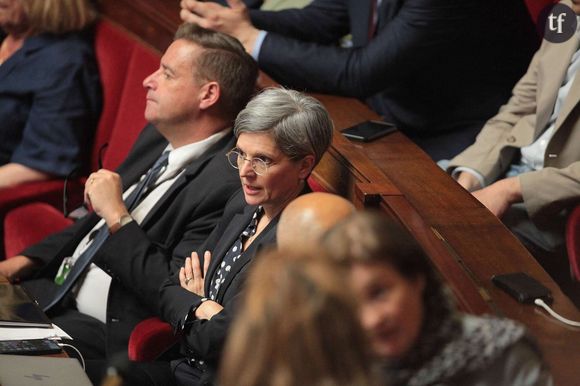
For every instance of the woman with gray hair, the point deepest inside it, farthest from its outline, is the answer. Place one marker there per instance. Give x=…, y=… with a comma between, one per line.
x=281, y=136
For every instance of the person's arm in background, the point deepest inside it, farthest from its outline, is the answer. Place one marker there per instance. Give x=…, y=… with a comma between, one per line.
x=322, y=21
x=544, y=192
x=13, y=174
x=419, y=32
x=18, y=267
x=489, y=155
x=41, y=254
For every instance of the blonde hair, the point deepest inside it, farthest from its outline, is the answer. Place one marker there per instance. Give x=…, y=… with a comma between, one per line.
x=58, y=16
x=297, y=325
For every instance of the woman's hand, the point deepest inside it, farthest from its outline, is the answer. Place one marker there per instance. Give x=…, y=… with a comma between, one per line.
x=191, y=277
x=208, y=310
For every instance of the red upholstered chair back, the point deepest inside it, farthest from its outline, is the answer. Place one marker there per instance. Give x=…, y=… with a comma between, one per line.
x=29, y=224
x=113, y=51
x=573, y=242
x=124, y=62
x=538, y=8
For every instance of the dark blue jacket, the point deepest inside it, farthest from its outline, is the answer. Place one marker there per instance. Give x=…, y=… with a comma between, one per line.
x=433, y=65
x=50, y=102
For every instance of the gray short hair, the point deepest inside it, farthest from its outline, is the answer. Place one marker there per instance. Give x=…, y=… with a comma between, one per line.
x=299, y=124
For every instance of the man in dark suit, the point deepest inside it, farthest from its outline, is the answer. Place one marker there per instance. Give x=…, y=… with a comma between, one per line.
x=150, y=218
x=436, y=68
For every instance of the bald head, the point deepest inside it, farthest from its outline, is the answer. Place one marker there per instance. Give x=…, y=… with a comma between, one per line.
x=305, y=219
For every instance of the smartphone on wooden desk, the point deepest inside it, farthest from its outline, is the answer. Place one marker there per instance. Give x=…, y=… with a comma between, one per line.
x=523, y=288
x=369, y=130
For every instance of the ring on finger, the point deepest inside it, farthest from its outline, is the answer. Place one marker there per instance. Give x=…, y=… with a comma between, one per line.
x=187, y=280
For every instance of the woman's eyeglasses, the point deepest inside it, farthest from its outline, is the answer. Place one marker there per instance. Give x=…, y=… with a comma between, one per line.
x=259, y=166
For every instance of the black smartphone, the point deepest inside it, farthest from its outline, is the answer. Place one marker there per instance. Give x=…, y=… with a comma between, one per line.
x=524, y=288
x=369, y=130
x=29, y=347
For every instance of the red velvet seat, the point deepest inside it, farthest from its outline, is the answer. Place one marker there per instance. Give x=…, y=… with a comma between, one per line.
x=23, y=226
x=573, y=242
x=149, y=339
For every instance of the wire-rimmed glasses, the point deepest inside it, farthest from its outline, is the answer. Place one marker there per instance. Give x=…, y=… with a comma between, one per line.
x=236, y=159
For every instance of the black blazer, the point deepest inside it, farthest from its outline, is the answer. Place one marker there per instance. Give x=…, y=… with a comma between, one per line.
x=433, y=65
x=140, y=257
x=204, y=339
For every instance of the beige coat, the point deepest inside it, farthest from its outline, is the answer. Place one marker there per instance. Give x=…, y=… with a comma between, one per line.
x=518, y=124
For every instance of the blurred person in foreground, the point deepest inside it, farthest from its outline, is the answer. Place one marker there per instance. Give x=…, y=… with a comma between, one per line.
x=50, y=92
x=308, y=217
x=412, y=322
x=299, y=321
x=281, y=136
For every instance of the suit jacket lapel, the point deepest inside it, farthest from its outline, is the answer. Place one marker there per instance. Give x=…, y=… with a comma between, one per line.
x=191, y=171
x=570, y=102
x=551, y=73
x=231, y=233
x=267, y=236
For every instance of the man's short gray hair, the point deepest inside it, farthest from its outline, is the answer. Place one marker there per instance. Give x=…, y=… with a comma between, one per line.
x=299, y=124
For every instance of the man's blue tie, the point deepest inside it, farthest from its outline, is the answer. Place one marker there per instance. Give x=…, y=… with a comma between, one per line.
x=102, y=233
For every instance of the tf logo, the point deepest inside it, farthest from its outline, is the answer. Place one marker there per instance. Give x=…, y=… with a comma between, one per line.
x=561, y=24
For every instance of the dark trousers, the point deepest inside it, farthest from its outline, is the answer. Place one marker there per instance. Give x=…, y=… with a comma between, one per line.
x=131, y=373
x=88, y=333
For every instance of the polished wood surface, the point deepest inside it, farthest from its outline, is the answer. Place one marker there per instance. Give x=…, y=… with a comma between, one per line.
x=466, y=243
x=154, y=21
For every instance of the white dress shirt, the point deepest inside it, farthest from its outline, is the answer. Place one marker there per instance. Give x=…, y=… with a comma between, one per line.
x=93, y=289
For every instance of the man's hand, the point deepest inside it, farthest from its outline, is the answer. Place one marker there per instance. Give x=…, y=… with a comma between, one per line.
x=17, y=267
x=468, y=181
x=191, y=277
x=234, y=21
x=499, y=196
x=104, y=192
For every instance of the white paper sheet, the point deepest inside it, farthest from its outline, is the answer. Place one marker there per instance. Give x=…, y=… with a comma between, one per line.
x=17, y=333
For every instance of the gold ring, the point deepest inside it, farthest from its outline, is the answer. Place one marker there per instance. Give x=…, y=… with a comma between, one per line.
x=187, y=280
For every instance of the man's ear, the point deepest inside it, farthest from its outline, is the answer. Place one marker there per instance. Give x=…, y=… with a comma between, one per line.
x=209, y=95
x=306, y=166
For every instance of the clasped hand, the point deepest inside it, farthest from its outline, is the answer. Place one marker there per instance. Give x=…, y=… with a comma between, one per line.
x=104, y=193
